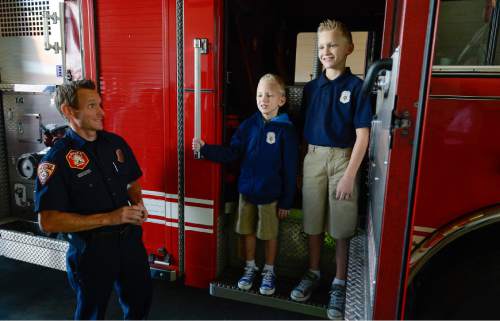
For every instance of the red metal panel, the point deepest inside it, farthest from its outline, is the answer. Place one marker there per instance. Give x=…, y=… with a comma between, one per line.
x=412, y=42
x=170, y=94
x=470, y=86
x=134, y=82
x=459, y=161
x=199, y=22
x=137, y=75
x=202, y=178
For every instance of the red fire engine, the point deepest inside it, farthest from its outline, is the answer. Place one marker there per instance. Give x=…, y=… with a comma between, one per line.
x=170, y=70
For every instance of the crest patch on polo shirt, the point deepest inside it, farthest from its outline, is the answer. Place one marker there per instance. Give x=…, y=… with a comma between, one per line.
x=45, y=171
x=271, y=138
x=345, y=96
x=77, y=159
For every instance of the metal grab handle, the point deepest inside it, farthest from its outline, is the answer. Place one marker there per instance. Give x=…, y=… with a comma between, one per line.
x=200, y=47
x=45, y=17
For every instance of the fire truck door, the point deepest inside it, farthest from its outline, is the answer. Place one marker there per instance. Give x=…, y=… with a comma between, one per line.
x=401, y=93
x=199, y=207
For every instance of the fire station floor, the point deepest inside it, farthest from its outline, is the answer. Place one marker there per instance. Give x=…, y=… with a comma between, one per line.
x=32, y=292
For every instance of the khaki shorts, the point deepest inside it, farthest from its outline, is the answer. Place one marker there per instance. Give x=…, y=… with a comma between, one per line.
x=323, y=169
x=260, y=219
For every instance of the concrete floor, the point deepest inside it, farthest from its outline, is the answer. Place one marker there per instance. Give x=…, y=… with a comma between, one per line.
x=32, y=292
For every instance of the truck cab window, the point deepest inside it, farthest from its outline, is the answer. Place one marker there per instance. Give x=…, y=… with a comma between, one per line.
x=465, y=32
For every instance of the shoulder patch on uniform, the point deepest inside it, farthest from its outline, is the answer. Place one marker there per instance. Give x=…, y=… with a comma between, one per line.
x=119, y=156
x=345, y=96
x=45, y=171
x=77, y=159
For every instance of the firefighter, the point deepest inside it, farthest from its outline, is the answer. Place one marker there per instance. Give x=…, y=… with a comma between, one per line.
x=337, y=121
x=87, y=188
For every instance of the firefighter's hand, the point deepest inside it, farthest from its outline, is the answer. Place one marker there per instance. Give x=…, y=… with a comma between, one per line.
x=144, y=210
x=345, y=188
x=282, y=213
x=197, y=144
x=128, y=214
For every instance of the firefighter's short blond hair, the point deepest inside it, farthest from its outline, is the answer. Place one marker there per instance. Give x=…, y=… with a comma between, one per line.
x=277, y=80
x=330, y=25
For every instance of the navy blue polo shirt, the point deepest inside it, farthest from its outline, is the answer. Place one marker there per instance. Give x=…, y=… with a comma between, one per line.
x=84, y=177
x=334, y=109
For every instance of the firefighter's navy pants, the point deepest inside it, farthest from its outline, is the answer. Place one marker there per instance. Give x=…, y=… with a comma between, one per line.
x=102, y=260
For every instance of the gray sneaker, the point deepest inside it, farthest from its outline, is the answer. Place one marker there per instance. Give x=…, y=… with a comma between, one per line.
x=336, y=305
x=307, y=285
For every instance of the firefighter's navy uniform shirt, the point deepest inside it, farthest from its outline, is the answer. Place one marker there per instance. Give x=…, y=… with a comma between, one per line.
x=86, y=177
x=82, y=177
x=334, y=109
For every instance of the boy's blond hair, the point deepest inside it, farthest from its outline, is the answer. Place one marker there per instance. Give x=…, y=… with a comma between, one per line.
x=277, y=79
x=330, y=25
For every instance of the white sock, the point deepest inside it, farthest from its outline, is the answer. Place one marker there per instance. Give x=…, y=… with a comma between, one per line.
x=268, y=267
x=251, y=264
x=316, y=272
x=338, y=281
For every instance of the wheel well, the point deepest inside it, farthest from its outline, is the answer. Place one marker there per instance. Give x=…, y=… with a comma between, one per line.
x=459, y=278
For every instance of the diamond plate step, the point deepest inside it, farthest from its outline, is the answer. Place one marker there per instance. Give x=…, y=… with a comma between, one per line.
x=357, y=294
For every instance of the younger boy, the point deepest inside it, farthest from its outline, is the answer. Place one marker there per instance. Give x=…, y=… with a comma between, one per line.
x=337, y=122
x=267, y=144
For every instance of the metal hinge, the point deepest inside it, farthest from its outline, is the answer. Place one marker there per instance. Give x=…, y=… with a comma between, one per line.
x=401, y=121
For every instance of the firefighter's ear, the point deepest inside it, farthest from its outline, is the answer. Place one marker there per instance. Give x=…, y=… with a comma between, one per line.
x=67, y=111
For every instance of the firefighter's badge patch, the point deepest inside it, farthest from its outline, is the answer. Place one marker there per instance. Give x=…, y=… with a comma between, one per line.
x=271, y=138
x=77, y=159
x=119, y=156
x=45, y=171
x=345, y=96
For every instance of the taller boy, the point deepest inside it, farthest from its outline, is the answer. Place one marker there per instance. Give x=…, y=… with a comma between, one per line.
x=336, y=127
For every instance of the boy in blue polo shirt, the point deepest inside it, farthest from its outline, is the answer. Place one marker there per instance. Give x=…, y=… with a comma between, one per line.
x=267, y=144
x=337, y=121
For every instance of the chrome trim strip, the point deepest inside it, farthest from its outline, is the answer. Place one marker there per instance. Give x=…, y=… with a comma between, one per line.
x=465, y=69
x=425, y=229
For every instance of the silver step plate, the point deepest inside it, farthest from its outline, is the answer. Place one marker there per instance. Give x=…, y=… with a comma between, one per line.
x=33, y=249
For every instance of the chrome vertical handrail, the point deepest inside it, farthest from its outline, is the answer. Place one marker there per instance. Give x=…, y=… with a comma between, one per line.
x=200, y=47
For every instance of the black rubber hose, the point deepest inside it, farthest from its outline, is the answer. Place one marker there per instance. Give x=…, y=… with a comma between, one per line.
x=372, y=73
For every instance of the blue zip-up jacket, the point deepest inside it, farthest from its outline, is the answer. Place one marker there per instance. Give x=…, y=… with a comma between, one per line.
x=269, y=153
